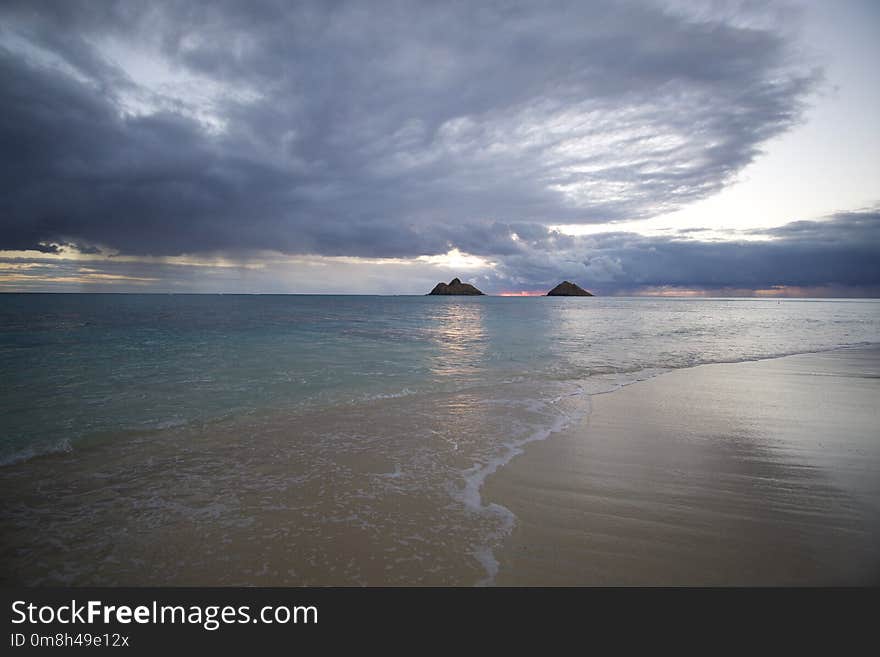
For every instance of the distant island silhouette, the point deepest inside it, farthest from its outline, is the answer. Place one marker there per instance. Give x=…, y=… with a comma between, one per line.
x=568, y=289
x=455, y=287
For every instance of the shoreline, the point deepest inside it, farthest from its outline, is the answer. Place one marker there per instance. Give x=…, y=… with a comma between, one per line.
x=151, y=493
x=66, y=446
x=576, y=523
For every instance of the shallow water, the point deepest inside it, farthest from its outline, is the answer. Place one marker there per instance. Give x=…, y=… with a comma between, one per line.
x=297, y=439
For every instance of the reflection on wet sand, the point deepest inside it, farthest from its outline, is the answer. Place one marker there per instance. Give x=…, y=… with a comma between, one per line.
x=761, y=473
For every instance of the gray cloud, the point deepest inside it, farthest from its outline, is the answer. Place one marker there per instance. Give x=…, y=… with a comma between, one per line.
x=380, y=129
x=841, y=251
x=838, y=256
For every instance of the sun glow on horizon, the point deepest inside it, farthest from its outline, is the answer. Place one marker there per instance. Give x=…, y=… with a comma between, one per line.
x=522, y=293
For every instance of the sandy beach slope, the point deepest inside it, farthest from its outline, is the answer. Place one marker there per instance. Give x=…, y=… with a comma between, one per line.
x=756, y=473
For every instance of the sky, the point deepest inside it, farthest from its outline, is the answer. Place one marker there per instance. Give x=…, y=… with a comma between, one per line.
x=658, y=147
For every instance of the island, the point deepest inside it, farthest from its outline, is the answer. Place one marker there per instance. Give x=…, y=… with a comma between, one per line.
x=567, y=289
x=455, y=287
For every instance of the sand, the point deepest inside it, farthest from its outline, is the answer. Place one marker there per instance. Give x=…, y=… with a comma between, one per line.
x=756, y=473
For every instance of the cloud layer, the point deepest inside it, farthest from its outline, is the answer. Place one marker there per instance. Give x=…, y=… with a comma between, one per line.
x=837, y=256
x=381, y=129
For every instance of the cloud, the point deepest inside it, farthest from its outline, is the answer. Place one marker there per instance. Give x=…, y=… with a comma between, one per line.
x=389, y=130
x=837, y=256
x=842, y=251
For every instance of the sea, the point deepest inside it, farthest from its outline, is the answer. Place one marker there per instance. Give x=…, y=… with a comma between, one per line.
x=298, y=439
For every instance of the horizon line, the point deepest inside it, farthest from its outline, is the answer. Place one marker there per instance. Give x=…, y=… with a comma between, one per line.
x=500, y=296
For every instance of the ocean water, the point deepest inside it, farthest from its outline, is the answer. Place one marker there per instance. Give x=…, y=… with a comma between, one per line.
x=322, y=439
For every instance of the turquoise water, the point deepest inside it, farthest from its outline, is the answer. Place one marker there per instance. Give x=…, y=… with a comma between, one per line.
x=79, y=368
x=286, y=440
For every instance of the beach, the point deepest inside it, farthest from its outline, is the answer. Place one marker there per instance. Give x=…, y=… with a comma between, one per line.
x=437, y=441
x=755, y=473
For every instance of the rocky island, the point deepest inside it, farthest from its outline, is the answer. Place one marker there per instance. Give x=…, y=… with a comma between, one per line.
x=455, y=287
x=567, y=289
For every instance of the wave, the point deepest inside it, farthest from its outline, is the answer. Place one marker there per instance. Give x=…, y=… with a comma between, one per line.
x=475, y=476
x=62, y=446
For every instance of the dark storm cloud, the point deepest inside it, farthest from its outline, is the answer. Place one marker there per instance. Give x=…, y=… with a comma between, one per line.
x=371, y=129
x=841, y=251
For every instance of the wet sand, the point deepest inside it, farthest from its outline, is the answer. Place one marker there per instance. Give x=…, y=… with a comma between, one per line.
x=757, y=473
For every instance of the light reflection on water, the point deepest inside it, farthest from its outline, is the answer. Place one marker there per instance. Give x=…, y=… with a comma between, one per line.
x=460, y=339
